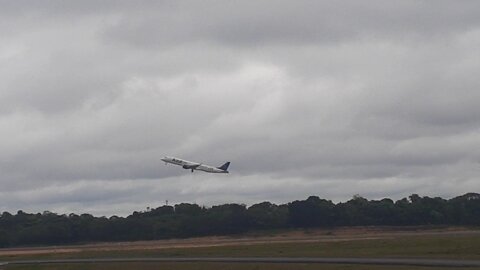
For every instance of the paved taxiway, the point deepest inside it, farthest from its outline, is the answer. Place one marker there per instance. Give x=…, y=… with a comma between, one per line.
x=368, y=261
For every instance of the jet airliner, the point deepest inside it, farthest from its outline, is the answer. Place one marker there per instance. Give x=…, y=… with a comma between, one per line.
x=189, y=165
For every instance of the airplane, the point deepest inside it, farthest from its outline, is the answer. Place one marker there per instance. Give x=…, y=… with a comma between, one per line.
x=188, y=165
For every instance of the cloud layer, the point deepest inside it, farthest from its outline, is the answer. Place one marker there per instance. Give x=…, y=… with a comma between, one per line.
x=378, y=99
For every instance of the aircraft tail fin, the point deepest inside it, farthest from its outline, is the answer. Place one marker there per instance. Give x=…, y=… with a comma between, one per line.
x=224, y=166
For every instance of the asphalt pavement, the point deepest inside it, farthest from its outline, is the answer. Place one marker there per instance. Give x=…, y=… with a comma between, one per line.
x=279, y=260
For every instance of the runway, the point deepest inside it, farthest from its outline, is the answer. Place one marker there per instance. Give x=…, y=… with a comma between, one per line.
x=279, y=260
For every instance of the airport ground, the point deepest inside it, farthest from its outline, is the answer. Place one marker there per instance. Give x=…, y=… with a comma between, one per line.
x=438, y=243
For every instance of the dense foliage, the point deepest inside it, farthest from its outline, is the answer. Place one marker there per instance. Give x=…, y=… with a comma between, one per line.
x=186, y=220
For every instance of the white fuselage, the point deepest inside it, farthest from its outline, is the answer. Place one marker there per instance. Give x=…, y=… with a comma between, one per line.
x=189, y=165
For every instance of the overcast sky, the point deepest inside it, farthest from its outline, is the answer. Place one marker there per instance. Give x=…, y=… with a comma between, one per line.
x=327, y=98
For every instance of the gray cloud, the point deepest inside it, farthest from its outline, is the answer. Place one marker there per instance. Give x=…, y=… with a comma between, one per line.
x=379, y=99
x=286, y=22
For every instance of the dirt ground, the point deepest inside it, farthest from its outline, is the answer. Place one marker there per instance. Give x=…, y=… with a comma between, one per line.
x=310, y=235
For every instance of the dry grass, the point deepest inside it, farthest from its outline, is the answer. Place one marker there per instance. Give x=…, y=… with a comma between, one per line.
x=208, y=266
x=365, y=242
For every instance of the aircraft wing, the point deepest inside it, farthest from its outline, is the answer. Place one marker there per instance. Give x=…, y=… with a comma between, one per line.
x=191, y=166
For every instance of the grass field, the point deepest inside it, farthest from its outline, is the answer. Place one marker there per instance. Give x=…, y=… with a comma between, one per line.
x=209, y=266
x=443, y=246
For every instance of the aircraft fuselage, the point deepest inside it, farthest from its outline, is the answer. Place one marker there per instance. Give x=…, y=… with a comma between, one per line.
x=189, y=165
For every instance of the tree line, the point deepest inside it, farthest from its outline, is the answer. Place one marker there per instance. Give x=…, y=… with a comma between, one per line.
x=188, y=220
